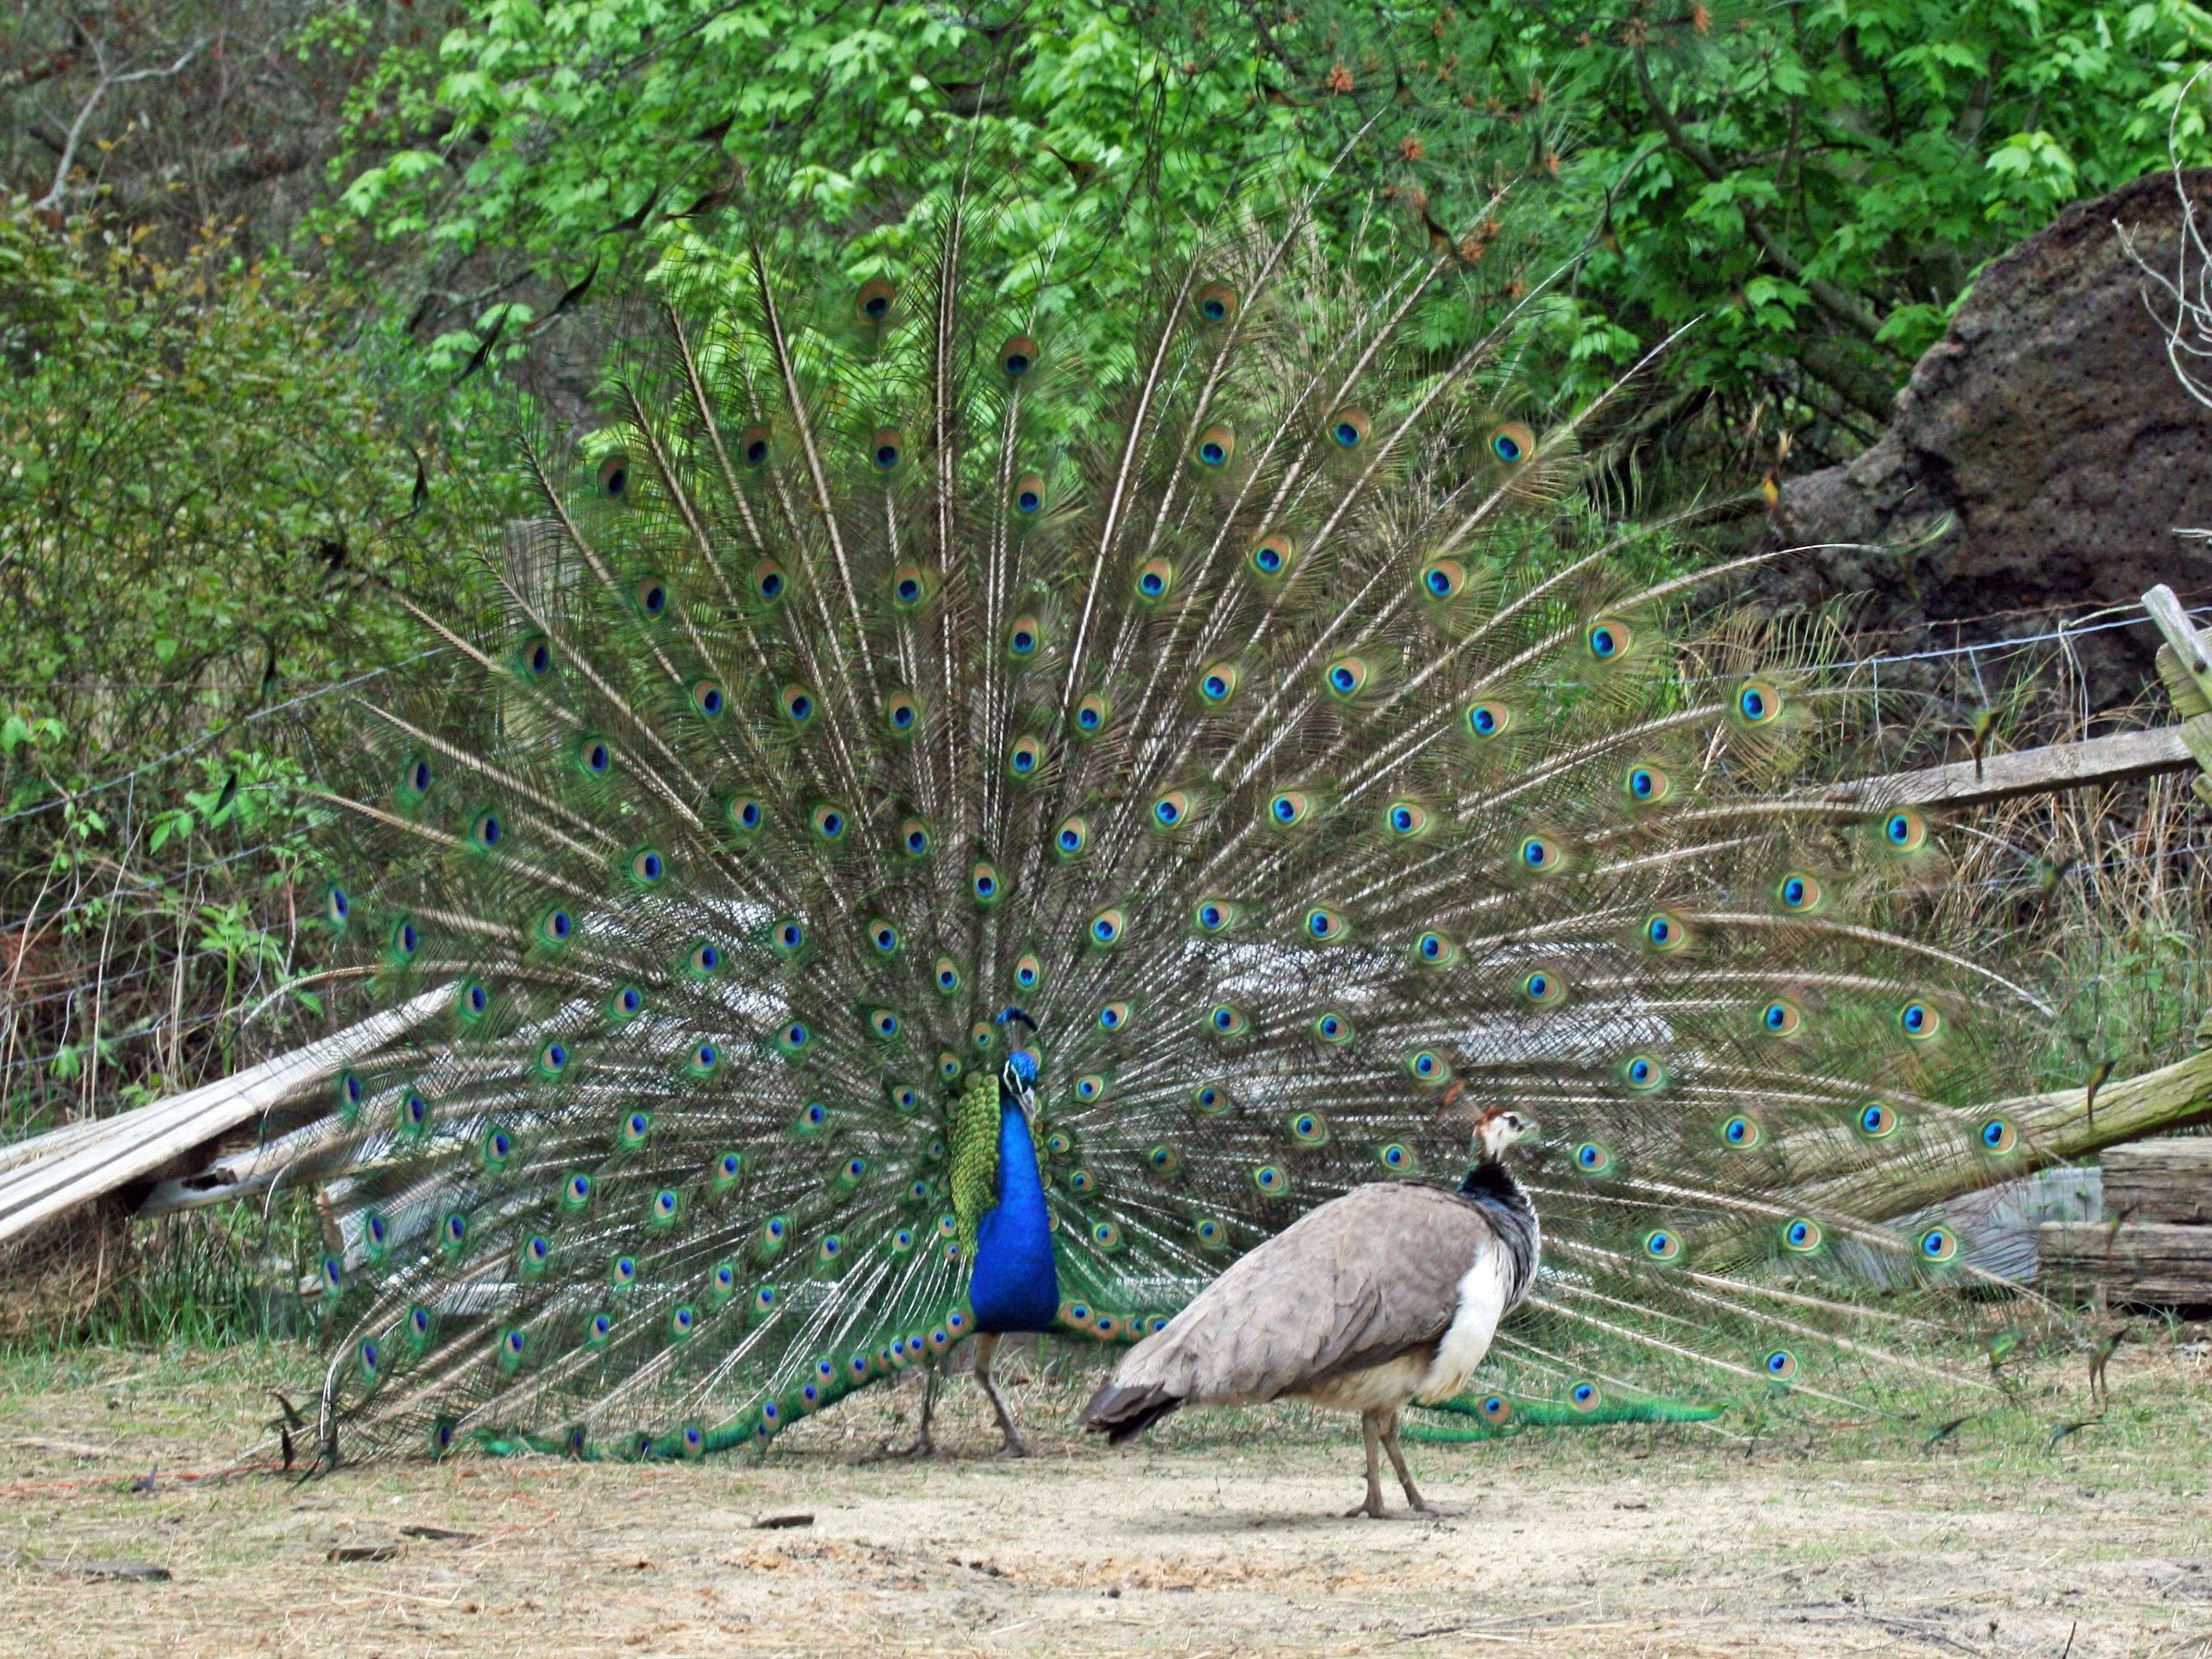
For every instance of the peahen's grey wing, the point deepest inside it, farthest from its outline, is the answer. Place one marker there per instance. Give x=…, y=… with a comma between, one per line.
x=1364, y=1279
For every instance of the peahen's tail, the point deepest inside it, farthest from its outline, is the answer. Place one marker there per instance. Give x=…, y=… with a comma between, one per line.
x=1248, y=698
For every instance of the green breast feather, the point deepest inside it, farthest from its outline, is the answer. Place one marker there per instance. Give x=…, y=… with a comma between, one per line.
x=972, y=1156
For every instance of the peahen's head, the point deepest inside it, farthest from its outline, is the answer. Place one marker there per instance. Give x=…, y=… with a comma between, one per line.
x=1496, y=1127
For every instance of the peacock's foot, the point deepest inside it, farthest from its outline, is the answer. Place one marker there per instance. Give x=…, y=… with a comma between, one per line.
x=1016, y=1446
x=1438, y=1511
x=1373, y=1508
x=921, y=1446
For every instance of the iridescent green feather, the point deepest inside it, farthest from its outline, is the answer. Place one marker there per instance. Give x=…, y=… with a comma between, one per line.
x=972, y=1157
x=1292, y=747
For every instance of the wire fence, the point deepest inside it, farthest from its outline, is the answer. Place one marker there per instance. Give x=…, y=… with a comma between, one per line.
x=78, y=1019
x=207, y=738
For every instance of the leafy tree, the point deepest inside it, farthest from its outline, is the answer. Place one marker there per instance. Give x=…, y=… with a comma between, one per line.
x=541, y=144
x=1816, y=184
x=1812, y=185
x=206, y=459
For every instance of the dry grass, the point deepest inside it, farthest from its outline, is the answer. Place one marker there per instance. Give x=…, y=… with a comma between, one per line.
x=1221, y=1537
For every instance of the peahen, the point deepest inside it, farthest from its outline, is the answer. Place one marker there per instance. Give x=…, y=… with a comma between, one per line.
x=1389, y=1295
x=937, y=835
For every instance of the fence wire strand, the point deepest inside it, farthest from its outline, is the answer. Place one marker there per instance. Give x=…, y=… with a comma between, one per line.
x=2061, y=640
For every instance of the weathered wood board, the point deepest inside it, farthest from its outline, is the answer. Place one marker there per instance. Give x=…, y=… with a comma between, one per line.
x=2153, y=1264
x=2161, y=1180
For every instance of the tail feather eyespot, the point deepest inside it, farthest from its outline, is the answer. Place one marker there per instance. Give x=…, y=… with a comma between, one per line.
x=1272, y=556
x=1758, y=703
x=1442, y=579
x=1155, y=580
x=1608, y=639
x=1801, y=1235
x=1509, y=445
x=1215, y=303
x=873, y=303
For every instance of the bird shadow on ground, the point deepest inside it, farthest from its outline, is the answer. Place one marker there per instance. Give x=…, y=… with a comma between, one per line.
x=1232, y=1522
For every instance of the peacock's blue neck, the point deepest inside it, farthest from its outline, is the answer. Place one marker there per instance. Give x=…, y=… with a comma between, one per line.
x=1014, y=1286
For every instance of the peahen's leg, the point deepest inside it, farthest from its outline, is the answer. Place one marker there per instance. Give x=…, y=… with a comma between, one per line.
x=1420, y=1506
x=1370, y=1428
x=921, y=1445
x=987, y=1349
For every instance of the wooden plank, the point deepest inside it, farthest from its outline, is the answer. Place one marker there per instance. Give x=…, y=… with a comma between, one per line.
x=2196, y=733
x=2115, y=759
x=2184, y=663
x=2161, y=1180
x=2189, y=651
x=308, y=1153
x=137, y=1143
x=2187, y=699
x=2145, y=1264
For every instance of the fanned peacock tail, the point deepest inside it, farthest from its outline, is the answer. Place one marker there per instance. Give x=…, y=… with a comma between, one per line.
x=1287, y=745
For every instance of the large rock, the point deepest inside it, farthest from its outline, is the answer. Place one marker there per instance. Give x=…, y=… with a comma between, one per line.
x=2042, y=456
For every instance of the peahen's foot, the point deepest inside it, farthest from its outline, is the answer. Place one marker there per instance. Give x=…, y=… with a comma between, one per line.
x=1374, y=1509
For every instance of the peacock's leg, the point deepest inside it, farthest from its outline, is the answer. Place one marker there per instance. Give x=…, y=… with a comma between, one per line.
x=987, y=1349
x=921, y=1445
x=1370, y=1427
x=1420, y=1506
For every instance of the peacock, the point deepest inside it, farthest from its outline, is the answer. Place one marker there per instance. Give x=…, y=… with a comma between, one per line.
x=939, y=835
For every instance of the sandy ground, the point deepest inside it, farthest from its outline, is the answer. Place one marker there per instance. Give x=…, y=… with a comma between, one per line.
x=1222, y=1536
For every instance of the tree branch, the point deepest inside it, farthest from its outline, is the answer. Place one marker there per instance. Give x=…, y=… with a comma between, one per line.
x=1840, y=303
x=53, y=200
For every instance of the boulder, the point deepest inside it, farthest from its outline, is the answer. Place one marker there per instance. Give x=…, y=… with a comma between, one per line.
x=2043, y=454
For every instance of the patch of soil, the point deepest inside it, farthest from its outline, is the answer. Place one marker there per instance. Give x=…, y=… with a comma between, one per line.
x=1224, y=1536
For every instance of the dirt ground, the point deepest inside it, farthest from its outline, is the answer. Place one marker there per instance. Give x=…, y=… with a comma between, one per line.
x=1222, y=1535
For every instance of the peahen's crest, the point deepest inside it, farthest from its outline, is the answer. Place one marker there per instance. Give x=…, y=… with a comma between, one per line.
x=1246, y=706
